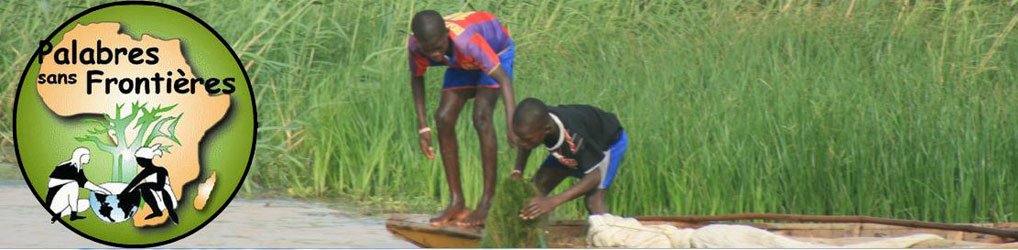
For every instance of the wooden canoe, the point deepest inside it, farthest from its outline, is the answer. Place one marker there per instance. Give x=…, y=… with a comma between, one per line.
x=572, y=233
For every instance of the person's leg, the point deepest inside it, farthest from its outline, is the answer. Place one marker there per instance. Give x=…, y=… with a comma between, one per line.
x=595, y=202
x=58, y=214
x=484, y=106
x=150, y=200
x=72, y=202
x=595, y=199
x=449, y=108
x=488, y=91
x=58, y=203
x=168, y=202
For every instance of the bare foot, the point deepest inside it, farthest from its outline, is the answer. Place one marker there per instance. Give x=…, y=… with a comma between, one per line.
x=475, y=218
x=451, y=214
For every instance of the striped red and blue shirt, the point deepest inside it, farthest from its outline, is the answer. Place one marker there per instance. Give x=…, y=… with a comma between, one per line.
x=477, y=39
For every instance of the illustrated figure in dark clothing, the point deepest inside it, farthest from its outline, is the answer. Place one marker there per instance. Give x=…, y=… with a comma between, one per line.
x=64, y=183
x=153, y=184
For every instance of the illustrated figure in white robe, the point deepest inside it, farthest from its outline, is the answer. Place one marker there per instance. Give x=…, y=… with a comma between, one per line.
x=64, y=183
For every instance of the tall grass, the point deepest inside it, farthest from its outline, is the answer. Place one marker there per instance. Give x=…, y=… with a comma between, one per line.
x=903, y=109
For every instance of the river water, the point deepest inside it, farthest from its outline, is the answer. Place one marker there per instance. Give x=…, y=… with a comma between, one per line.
x=245, y=223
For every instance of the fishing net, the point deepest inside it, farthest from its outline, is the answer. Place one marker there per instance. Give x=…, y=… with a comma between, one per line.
x=504, y=227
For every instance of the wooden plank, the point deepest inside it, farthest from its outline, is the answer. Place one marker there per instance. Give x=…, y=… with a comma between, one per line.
x=417, y=230
x=429, y=239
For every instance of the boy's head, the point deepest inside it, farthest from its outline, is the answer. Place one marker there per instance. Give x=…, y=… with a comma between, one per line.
x=431, y=34
x=531, y=123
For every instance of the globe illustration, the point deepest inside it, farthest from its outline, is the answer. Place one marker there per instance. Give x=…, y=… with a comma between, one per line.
x=117, y=207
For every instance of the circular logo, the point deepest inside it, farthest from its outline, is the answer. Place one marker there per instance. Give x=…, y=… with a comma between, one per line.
x=134, y=124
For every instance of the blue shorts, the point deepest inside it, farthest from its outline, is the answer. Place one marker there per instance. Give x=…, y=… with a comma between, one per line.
x=463, y=79
x=609, y=167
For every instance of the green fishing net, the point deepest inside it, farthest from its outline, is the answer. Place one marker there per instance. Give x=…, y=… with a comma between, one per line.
x=504, y=227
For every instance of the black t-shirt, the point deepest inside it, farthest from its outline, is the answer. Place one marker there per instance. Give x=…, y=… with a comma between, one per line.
x=69, y=172
x=64, y=171
x=589, y=132
x=148, y=169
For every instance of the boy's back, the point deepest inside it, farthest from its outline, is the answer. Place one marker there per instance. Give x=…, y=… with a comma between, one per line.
x=589, y=132
x=589, y=122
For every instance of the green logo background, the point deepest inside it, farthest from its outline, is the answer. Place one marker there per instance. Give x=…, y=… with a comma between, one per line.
x=44, y=139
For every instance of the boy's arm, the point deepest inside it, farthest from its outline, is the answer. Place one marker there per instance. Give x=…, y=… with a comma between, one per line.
x=542, y=205
x=424, y=133
x=91, y=186
x=509, y=98
x=137, y=179
x=83, y=181
x=521, y=162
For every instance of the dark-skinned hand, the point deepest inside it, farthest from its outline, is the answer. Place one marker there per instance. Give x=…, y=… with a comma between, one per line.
x=537, y=207
x=425, y=143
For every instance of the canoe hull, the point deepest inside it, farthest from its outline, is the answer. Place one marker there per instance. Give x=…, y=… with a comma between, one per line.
x=572, y=233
